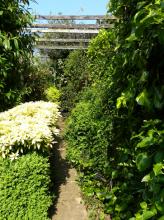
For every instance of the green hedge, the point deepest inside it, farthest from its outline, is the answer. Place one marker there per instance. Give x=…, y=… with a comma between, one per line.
x=116, y=133
x=24, y=188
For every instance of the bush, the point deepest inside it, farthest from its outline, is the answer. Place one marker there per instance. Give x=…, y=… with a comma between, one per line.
x=30, y=126
x=52, y=94
x=24, y=188
x=38, y=78
x=86, y=133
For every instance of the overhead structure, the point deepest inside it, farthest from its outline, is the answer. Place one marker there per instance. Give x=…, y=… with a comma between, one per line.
x=75, y=17
x=69, y=32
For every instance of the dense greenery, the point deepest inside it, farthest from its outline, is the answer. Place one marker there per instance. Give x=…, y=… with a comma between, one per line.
x=38, y=79
x=75, y=78
x=24, y=188
x=70, y=75
x=115, y=133
x=15, y=50
x=22, y=77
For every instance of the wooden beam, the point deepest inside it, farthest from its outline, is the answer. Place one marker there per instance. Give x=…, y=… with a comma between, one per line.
x=43, y=57
x=63, y=40
x=60, y=47
x=72, y=26
x=73, y=31
x=74, y=17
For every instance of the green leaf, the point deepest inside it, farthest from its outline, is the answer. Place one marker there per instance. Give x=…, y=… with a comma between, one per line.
x=160, y=206
x=8, y=95
x=6, y=44
x=121, y=101
x=146, y=142
x=132, y=37
x=1, y=13
x=143, y=162
x=159, y=157
x=142, y=99
x=146, y=178
x=148, y=214
x=158, y=168
x=143, y=205
x=16, y=43
x=157, y=2
x=144, y=76
x=139, y=13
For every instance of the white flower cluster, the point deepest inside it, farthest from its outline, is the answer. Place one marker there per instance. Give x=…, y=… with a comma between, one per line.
x=31, y=125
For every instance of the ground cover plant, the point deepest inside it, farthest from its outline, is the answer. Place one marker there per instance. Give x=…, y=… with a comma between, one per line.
x=115, y=133
x=24, y=188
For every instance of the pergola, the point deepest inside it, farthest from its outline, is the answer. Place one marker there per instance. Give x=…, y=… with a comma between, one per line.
x=68, y=32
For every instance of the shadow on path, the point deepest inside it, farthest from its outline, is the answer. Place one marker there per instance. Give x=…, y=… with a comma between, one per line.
x=59, y=173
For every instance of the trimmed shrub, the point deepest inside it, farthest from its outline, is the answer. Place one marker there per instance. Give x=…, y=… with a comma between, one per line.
x=30, y=126
x=24, y=188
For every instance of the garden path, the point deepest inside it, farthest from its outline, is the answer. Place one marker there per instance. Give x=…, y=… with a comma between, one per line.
x=68, y=204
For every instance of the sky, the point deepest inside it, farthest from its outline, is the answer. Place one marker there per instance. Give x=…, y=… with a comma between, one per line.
x=69, y=7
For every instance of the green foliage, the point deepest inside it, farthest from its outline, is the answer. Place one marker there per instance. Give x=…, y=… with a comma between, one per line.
x=38, y=78
x=15, y=50
x=75, y=78
x=115, y=133
x=30, y=126
x=85, y=124
x=150, y=158
x=24, y=188
x=52, y=94
x=99, y=53
x=87, y=137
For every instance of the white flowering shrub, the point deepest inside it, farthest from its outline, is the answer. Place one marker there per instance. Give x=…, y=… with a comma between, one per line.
x=31, y=125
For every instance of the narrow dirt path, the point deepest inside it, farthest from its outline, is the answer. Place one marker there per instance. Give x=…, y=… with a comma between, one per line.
x=68, y=204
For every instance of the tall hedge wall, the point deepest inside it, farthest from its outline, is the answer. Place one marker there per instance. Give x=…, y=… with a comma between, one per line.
x=116, y=132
